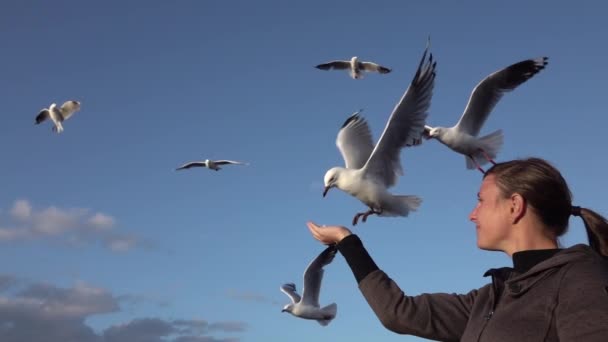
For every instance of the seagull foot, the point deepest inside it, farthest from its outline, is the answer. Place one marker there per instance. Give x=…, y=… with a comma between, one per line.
x=364, y=216
x=370, y=212
x=356, y=218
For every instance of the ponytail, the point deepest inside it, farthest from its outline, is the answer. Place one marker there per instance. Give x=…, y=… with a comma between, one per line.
x=597, y=229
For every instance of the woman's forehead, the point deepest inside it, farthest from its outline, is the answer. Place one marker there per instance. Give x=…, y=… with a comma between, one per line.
x=488, y=185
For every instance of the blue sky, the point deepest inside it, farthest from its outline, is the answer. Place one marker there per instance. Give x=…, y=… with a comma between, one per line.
x=96, y=226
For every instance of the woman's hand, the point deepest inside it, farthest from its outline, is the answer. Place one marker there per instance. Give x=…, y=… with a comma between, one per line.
x=328, y=235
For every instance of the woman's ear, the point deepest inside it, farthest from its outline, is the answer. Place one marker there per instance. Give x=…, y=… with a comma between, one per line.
x=518, y=207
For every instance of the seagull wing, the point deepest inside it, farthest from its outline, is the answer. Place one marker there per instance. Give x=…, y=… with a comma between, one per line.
x=314, y=274
x=192, y=164
x=340, y=65
x=68, y=108
x=355, y=141
x=43, y=115
x=290, y=290
x=491, y=89
x=404, y=126
x=369, y=66
x=224, y=162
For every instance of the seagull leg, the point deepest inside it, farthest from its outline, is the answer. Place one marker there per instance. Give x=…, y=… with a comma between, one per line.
x=364, y=215
x=356, y=218
x=477, y=164
x=487, y=157
x=370, y=212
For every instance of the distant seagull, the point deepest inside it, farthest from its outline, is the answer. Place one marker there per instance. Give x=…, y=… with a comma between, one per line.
x=355, y=67
x=58, y=115
x=462, y=137
x=370, y=170
x=307, y=306
x=210, y=164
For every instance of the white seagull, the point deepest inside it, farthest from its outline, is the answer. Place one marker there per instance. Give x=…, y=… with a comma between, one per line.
x=58, y=115
x=307, y=306
x=462, y=138
x=210, y=164
x=370, y=170
x=355, y=67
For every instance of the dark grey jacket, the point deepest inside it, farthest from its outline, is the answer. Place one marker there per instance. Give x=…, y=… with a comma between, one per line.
x=563, y=298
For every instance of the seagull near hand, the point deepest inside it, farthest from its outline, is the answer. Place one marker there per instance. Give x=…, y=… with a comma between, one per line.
x=58, y=115
x=307, y=306
x=462, y=138
x=210, y=164
x=355, y=67
x=370, y=170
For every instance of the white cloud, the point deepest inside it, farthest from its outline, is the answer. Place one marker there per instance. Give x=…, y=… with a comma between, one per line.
x=22, y=210
x=101, y=221
x=75, y=226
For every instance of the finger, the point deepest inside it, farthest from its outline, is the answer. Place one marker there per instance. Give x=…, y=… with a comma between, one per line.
x=313, y=230
x=312, y=225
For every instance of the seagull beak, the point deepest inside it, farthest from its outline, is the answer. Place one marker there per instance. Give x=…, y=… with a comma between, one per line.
x=283, y=310
x=325, y=190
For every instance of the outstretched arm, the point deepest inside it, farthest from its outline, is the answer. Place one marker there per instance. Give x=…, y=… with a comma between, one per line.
x=438, y=316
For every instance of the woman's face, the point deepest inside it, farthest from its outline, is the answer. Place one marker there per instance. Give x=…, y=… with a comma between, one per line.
x=492, y=216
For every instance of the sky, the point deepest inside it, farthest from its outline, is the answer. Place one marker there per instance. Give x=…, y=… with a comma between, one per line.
x=102, y=240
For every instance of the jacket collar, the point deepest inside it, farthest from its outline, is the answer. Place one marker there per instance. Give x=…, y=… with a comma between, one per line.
x=517, y=283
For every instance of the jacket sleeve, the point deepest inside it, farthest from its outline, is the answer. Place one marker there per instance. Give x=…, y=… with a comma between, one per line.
x=582, y=310
x=439, y=316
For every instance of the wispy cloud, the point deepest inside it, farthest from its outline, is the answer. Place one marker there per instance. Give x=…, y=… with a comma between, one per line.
x=250, y=297
x=75, y=226
x=43, y=312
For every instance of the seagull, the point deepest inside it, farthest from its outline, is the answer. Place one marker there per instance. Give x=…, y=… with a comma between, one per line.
x=210, y=164
x=355, y=66
x=307, y=306
x=462, y=138
x=370, y=170
x=58, y=115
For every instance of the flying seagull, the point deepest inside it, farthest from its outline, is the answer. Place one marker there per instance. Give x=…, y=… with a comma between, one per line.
x=462, y=138
x=210, y=164
x=307, y=306
x=355, y=67
x=370, y=170
x=58, y=115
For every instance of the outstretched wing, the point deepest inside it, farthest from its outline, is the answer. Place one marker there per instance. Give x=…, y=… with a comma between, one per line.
x=68, y=108
x=314, y=275
x=369, y=66
x=43, y=115
x=404, y=126
x=339, y=65
x=355, y=141
x=290, y=290
x=192, y=164
x=224, y=162
x=491, y=89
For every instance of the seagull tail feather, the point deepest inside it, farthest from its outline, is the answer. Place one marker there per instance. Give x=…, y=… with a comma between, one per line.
x=331, y=310
x=491, y=144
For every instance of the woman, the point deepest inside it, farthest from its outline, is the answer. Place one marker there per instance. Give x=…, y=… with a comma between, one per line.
x=550, y=294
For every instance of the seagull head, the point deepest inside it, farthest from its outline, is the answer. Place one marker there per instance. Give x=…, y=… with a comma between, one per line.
x=433, y=132
x=331, y=179
x=288, y=308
